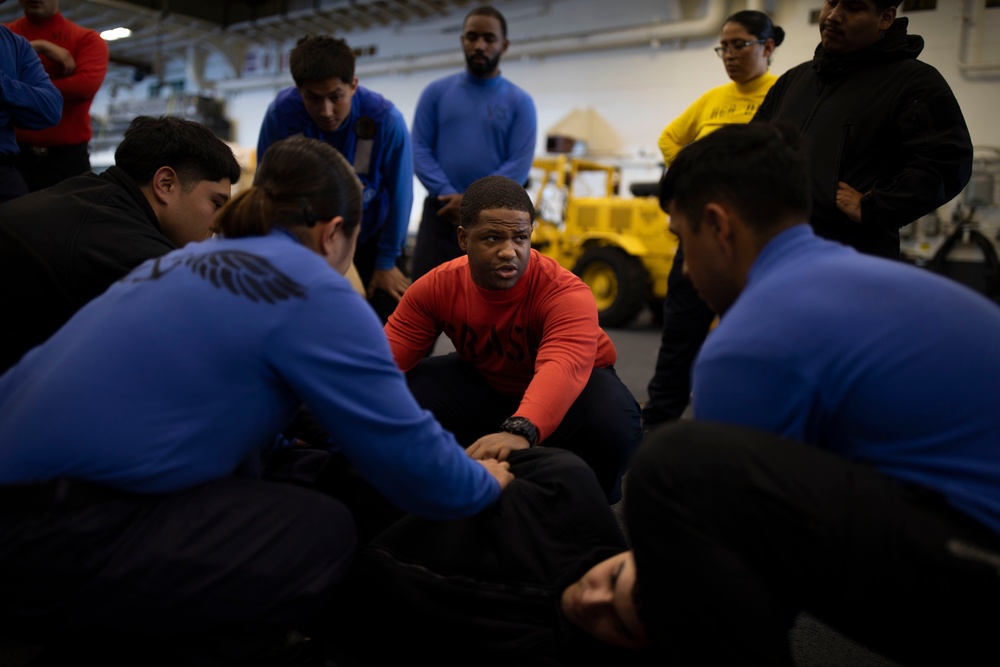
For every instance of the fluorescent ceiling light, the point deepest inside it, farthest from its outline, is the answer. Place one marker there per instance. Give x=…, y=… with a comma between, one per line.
x=115, y=33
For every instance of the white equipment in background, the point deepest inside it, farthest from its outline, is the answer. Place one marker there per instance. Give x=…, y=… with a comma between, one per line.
x=967, y=246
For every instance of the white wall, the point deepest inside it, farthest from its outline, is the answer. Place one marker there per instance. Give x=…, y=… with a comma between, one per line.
x=638, y=90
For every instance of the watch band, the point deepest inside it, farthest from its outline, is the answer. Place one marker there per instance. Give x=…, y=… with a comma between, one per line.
x=522, y=427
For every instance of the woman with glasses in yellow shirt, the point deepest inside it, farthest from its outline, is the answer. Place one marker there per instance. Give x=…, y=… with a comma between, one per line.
x=748, y=39
x=746, y=44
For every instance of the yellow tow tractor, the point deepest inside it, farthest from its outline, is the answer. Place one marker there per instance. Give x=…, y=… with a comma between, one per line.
x=620, y=247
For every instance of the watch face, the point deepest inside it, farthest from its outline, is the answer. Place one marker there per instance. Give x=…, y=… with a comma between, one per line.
x=521, y=426
x=516, y=424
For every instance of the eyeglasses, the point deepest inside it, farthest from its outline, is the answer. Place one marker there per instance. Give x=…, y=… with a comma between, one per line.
x=736, y=46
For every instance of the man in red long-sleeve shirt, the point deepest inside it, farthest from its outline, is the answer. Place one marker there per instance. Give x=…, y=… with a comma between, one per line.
x=532, y=365
x=76, y=59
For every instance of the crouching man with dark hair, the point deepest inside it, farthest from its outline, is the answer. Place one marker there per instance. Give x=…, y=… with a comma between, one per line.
x=853, y=471
x=531, y=364
x=62, y=246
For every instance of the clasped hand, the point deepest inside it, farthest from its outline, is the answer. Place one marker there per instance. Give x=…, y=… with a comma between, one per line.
x=496, y=446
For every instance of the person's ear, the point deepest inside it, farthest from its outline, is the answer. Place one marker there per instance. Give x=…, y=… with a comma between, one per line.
x=710, y=217
x=165, y=185
x=463, y=239
x=354, y=85
x=886, y=19
x=717, y=220
x=503, y=47
x=768, y=48
x=329, y=241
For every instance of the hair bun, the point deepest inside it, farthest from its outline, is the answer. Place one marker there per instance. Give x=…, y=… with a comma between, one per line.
x=779, y=35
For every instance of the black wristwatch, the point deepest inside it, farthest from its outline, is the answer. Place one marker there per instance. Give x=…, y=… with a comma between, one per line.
x=522, y=427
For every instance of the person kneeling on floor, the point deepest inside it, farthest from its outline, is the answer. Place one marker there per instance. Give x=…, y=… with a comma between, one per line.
x=124, y=524
x=864, y=487
x=531, y=364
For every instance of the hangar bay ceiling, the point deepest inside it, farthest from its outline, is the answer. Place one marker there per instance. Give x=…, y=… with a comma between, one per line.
x=164, y=29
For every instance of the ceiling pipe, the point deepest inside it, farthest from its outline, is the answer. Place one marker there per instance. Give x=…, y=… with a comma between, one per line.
x=703, y=27
x=194, y=66
x=972, y=19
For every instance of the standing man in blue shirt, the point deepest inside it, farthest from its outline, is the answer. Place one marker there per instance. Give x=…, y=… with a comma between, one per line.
x=468, y=125
x=326, y=103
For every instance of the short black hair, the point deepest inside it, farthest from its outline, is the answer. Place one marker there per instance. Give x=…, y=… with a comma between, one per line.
x=321, y=57
x=758, y=169
x=487, y=10
x=188, y=147
x=492, y=192
x=883, y=5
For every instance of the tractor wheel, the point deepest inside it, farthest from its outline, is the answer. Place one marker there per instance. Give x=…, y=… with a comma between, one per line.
x=618, y=281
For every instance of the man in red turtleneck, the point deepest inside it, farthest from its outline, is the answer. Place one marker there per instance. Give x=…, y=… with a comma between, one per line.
x=76, y=59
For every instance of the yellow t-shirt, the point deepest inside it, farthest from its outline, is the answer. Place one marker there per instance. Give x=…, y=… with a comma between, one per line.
x=727, y=104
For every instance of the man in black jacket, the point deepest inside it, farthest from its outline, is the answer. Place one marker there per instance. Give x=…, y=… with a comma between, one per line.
x=886, y=137
x=62, y=246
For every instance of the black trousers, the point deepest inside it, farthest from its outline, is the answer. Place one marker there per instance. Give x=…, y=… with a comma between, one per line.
x=364, y=262
x=487, y=586
x=737, y=531
x=209, y=575
x=602, y=426
x=437, y=239
x=42, y=167
x=686, y=322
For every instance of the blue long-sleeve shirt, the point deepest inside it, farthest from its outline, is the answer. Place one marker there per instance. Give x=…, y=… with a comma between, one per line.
x=27, y=97
x=388, y=176
x=466, y=127
x=197, y=359
x=872, y=359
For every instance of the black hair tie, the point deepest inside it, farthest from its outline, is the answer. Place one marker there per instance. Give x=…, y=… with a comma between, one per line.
x=309, y=217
